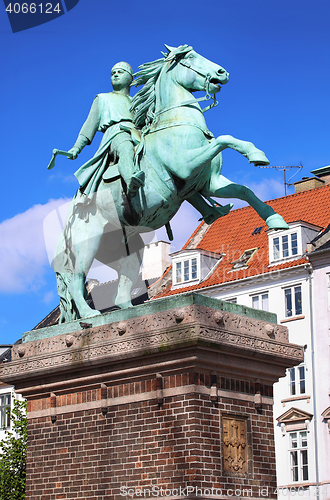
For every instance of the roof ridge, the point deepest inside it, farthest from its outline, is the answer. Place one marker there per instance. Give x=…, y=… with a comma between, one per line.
x=297, y=194
x=193, y=234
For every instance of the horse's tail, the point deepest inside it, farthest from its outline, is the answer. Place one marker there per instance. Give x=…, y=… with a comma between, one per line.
x=68, y=308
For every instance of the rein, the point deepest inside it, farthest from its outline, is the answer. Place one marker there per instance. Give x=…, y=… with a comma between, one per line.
x=206, y=132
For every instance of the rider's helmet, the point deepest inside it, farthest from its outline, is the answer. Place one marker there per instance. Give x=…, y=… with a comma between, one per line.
x=125, y=66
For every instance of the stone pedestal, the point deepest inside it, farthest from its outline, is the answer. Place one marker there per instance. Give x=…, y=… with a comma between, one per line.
x=172, y=398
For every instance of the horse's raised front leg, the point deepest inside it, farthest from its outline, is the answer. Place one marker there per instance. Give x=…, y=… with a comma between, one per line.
x=221, y=187
x=246, y=148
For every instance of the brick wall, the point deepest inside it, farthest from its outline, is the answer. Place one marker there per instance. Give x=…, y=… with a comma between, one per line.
x=91, y=454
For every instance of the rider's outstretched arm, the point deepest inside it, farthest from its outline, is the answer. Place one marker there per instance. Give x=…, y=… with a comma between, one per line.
x=88, y=130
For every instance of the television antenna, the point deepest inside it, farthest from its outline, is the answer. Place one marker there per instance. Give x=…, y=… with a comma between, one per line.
x=285, y=169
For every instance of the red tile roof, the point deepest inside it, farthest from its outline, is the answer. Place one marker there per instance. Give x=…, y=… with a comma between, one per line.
x=232, y=235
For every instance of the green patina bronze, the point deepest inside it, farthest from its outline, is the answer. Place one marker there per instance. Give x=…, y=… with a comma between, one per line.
x=155, y=153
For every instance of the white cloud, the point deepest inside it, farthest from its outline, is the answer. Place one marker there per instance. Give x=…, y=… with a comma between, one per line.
x=267, y=190
x=48, y=297
x=23, y=257
x=183, y=225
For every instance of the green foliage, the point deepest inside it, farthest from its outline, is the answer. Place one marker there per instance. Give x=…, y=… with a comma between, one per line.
x=13, y=455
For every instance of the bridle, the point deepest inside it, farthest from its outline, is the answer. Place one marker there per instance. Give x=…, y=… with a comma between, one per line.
x=207, y=97
x=207, y=77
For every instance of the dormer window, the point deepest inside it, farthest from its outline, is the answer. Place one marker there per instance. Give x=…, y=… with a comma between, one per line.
x=193, y=266
x=285, y=246
x=292, y=243
x=186, y=270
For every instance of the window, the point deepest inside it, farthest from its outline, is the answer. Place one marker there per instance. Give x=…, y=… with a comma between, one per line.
x=191, y=266
x=4, y=405
x=233, y=300
x=297, y=381
x=186, y=270
x=244, y=258
x=285, y=246
x=293, y=303
x=260, y=301
x=298, y=456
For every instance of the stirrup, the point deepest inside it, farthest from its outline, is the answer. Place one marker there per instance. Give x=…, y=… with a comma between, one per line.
x=136, y=182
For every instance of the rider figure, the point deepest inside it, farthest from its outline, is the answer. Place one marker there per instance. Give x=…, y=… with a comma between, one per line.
x=110, y=114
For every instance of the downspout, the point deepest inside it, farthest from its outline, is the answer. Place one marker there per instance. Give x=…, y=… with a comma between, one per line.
x=309, y=269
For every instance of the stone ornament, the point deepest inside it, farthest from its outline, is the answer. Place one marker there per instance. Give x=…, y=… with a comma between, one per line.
x=234, y=444
x=69, y=340
x=179, y=315
x=21, y=351
x=121, y=328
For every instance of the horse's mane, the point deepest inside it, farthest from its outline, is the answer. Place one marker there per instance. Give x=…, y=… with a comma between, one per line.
x=144, y=101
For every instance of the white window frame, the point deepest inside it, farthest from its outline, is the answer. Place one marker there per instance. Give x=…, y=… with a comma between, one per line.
x=295, y=311
x=258, y=301
x=297, y=380
x=286, y=247
x=4, y=404
x=298, y=456
x=192, y=263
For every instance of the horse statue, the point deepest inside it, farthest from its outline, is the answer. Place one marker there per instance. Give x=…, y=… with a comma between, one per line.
x=181, y=160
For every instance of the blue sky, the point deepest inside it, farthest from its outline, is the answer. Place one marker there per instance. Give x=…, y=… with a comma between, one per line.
x=277, y=54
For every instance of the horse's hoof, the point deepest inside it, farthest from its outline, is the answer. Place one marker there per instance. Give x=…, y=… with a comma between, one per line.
x=124, y=305
x=276, y=221
x=258, y=158
x=91, y=314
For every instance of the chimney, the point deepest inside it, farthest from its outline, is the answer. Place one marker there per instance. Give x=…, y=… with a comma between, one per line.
x=156, y=259
x=307, y=183
x=323, y=174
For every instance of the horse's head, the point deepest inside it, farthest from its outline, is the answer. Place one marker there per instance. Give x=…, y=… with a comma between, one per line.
x=183, y=67
x=195, y=72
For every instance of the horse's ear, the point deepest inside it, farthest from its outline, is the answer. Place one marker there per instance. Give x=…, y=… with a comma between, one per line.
x=169, y=48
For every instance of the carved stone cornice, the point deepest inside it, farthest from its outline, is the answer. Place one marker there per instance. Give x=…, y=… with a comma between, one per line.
x=202, y=331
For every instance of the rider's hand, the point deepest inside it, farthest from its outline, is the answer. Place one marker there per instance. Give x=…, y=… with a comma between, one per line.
x=74, y=151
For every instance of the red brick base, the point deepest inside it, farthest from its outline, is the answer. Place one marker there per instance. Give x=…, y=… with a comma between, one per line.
x=142, y=445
